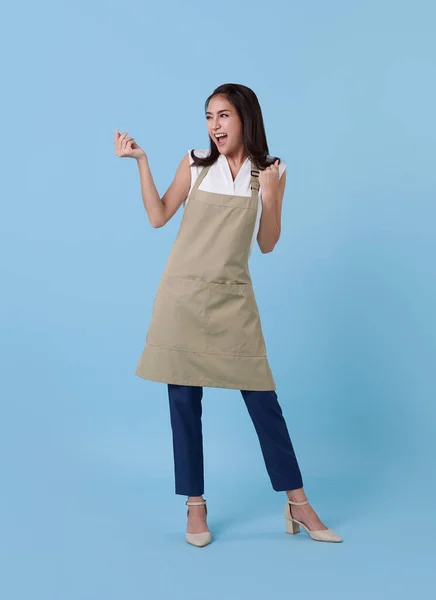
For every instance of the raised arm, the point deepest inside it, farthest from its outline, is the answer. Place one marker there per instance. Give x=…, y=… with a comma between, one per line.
x=270, y=226
x=159, y=210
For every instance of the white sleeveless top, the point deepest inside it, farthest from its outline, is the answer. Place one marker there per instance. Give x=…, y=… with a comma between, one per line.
x=219, y=180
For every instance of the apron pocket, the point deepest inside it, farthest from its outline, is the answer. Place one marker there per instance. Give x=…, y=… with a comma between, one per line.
x=177, y=320
x=232, y=321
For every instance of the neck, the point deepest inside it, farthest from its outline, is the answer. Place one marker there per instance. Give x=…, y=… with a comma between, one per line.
x=237, y=158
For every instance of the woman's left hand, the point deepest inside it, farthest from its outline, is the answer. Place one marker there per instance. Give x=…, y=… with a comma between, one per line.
x=269, y=180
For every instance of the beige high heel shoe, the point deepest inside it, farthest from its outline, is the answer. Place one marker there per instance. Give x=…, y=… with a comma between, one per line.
x=198, y=539
x=293, y=526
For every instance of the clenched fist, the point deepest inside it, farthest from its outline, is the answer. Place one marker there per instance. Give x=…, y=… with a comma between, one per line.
x=269, y=179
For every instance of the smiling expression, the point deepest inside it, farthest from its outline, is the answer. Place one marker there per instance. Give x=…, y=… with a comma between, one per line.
x=224, y=124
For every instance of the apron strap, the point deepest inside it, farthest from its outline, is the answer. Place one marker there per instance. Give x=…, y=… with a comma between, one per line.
x=254, y=181
x=200, y=178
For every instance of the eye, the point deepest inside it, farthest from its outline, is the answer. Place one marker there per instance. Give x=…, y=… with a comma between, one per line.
x=208, y=116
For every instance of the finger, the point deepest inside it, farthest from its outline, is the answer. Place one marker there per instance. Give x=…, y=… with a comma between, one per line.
x=120, y=139
x=116, y=138
x=126, y=142
x=124, y=139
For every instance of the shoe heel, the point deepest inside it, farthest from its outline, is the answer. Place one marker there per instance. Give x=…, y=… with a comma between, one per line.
x=292, y=527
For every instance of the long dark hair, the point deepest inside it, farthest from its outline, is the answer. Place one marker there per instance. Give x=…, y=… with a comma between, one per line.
x=253, y=130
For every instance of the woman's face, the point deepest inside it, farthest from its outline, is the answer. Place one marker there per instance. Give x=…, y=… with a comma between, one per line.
x=222, y=118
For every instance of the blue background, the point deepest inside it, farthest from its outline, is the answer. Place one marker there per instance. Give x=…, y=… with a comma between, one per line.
x=347, y=299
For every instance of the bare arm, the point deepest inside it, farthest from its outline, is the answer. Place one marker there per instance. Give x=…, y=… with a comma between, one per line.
x=270, y=220
x=159, y=210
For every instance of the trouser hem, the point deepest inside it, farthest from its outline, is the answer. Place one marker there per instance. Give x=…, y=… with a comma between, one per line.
x=290, y=485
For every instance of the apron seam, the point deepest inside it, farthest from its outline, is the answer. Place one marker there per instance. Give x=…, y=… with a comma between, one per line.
x=229, y=205
x=208, y=282
x=204, y=352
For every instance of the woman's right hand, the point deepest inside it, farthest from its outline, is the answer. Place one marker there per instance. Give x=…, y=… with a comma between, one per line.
x=127, y=147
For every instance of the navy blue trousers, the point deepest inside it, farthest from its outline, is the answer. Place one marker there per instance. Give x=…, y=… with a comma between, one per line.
x=266, y=414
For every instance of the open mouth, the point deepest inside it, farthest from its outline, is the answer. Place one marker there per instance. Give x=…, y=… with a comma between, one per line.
x=221, y=139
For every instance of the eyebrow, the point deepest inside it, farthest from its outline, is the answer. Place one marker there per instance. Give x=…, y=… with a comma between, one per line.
x=219, y=111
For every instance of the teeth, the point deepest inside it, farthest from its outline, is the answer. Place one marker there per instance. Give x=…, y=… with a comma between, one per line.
x=218, y=135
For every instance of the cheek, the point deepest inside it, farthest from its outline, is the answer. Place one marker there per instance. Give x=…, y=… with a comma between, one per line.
x=236, y=129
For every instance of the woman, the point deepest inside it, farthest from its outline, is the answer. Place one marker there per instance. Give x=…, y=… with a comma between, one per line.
x=205, y=328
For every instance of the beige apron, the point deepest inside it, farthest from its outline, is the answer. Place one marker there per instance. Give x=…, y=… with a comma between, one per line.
x=205, y=328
